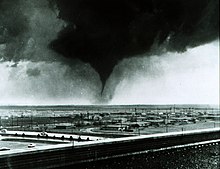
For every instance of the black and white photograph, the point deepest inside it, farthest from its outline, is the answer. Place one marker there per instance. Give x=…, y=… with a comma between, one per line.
x=109, y=84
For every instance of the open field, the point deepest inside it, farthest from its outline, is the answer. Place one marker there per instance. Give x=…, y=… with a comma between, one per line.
x=109, y=121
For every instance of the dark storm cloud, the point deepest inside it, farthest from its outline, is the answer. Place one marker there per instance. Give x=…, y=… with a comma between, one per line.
x=26, y=29
x=29, y=68
x=13, y=25
x=103, y=32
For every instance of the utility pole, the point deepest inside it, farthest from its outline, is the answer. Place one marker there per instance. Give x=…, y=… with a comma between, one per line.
x=166, y=121
x=22, y=120
x=31, y=121
x=137, y=125
x=17, y=121
x=54, y=119
x=12, y=120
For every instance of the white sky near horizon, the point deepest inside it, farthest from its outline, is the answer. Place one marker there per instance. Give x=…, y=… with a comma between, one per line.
x=184, y=78
x=191, y=77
